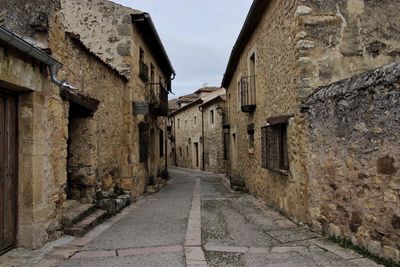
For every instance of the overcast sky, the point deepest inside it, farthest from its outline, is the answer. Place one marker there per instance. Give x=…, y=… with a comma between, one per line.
x=198, y=36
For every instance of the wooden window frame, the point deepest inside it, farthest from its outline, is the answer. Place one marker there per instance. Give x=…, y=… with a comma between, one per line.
x=274, y=147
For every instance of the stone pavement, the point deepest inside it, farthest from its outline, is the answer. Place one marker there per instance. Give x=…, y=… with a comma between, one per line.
x=195, y=221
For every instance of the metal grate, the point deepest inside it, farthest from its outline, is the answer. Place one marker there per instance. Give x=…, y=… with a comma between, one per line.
x=274, y=148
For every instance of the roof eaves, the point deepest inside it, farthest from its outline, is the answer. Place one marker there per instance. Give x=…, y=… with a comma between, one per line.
x=198, y=101
x=139, y=18
x=252, y=21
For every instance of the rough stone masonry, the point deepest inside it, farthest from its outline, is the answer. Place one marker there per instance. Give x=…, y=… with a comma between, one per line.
x=354, y=127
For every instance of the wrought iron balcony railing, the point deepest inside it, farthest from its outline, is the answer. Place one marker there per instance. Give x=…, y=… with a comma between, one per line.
x=248, y=94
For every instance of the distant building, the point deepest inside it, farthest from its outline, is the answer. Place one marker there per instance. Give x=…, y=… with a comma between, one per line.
x=195, y=131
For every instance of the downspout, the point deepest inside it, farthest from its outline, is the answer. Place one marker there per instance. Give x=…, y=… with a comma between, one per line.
x=202, y=135
x=18, y=43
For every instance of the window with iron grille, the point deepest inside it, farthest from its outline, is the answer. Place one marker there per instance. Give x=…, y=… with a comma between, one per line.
x=274, y=148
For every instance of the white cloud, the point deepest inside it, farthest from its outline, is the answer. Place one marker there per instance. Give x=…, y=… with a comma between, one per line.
x=197, y=34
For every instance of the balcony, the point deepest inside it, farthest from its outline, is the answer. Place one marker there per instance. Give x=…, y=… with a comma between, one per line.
x=143, y=71
x=158, y=99
x=248, y=94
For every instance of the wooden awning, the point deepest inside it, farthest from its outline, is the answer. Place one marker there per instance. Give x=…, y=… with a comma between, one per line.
x=80, y=105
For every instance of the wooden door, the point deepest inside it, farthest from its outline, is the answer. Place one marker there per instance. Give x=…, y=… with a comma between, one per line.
x=8, y=171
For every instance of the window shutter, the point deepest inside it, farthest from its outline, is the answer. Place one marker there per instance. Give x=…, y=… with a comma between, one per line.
x=273, y=148
x=284, y=151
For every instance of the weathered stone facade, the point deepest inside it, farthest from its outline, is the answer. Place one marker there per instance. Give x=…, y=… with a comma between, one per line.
x=354, y=160
x=297, y=46
x=196, y=137
x=64, y=153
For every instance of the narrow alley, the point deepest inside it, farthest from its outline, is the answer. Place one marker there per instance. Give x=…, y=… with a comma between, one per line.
x=170, y=228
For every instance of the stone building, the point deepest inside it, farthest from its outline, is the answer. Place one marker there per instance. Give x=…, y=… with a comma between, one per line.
x=87, y=146
x=195, y=131
x=285, y=51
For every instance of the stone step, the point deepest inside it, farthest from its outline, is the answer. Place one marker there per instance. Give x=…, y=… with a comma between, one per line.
x=70, y=204
x=88, y=223
x=76, y=213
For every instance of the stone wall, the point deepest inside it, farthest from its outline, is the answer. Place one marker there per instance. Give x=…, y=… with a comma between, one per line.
x=188, y=131
x=102, y=141
x=355, y=154
x=42, y=139
x=300, y=45
x=214, y=138
x=338, y=39
x=274, y=45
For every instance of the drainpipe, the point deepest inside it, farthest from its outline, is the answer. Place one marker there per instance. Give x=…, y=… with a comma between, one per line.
x=202, y=134
x=18, y=43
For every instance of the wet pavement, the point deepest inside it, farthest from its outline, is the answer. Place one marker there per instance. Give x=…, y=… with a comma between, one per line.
x=196, y=221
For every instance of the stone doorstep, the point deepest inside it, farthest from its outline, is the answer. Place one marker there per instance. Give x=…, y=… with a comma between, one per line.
x=76, y=213
x=88, y=223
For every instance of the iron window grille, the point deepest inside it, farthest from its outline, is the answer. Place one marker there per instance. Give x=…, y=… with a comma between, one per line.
x=274, y=148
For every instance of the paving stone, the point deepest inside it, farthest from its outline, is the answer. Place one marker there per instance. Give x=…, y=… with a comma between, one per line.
x=226, y=249
x=363, y=262
x=336, y=249
x=149, y=250
x=194, y=254
x=292, y=235
x=288, y=249
x=95, y=254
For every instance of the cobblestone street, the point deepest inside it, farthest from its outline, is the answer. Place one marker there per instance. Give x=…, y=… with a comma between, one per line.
x=194, y=221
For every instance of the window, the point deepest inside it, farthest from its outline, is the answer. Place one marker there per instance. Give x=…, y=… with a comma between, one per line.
x=274, y=148
x=226, y=146
x=195, y=120
x=143, y=68
x=212, y=116
x=187, y=151
x=250, y=138
x=180, y=151
x=141, y=55
x=185, y=123
x=248, y=87
x=179, y=123
x=143, y=142
x=161, y=142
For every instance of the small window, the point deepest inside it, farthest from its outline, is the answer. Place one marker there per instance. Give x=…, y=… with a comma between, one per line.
x=187, y=151
x=179, y=123
x=226, y=146
x=180, y=151
x=250, y=138
x=141, y=55
x=195, y=120
x=212, y=116
x=274, y=148
x=185, y=123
